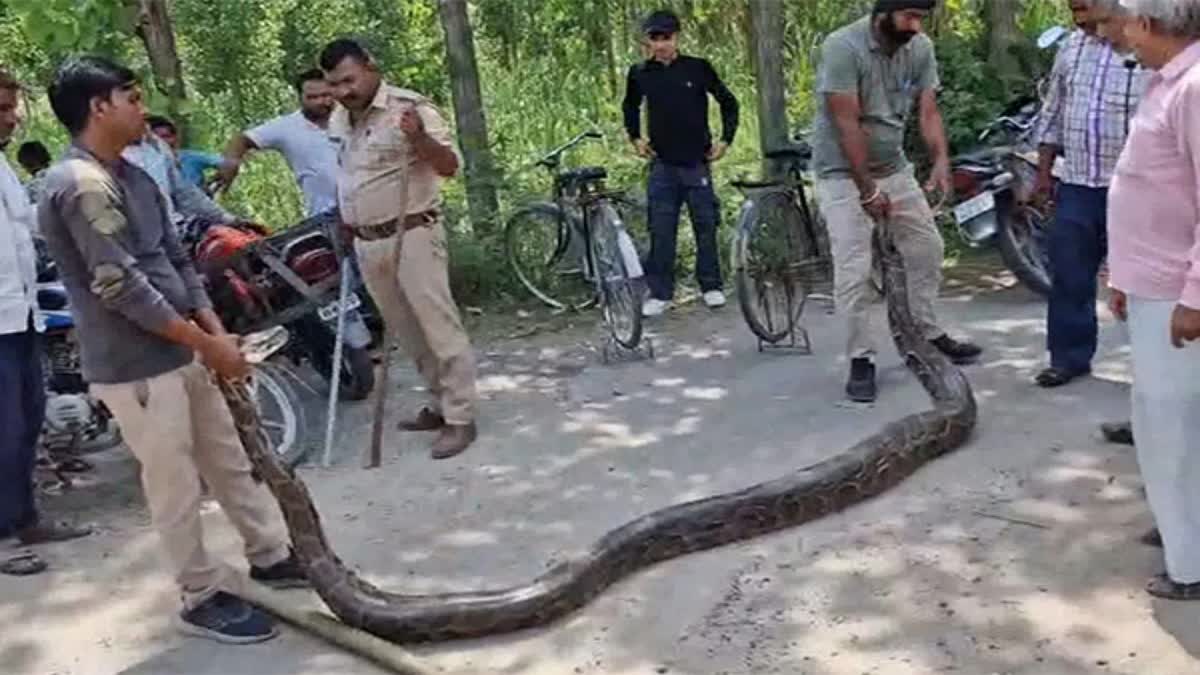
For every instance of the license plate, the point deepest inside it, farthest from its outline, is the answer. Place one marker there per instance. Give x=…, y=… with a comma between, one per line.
x=974, y=207
x=330, y=312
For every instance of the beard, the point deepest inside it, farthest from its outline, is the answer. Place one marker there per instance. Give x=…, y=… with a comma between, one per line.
x=893, y=33
x=317, y=114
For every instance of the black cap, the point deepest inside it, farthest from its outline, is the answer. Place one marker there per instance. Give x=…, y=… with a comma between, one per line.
x=901, y=5
x=662, y=21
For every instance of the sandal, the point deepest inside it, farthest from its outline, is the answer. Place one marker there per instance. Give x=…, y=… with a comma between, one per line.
x=1057, y=377
x=51, y=534
x=23, y=565
x=1163, y=587
x=74, y=465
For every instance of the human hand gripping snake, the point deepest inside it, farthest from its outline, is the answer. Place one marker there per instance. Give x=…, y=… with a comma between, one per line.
x=868, y=468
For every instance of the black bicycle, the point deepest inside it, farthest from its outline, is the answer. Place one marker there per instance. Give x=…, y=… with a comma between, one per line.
x=781, y=256
x=576, y=249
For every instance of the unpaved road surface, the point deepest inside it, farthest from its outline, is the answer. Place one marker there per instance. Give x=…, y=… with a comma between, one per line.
x=1016, y=554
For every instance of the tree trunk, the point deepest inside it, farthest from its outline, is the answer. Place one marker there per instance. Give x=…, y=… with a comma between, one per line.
x=766, y=33
x=606, y=38
x=153, y=26
x=1000, y=16
x=469, y=114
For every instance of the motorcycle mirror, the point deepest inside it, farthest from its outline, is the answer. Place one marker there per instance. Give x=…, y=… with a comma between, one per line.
x=1050, y=37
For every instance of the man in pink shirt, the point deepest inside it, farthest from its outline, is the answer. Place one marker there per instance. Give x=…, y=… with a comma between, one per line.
x=1154, y=261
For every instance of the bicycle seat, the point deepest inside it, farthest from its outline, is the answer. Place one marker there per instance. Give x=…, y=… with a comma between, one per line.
x=755, y=184
x=797, y=151
x=585, y=174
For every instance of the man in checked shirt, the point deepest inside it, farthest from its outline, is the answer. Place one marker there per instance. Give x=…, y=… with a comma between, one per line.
x=1094, y=93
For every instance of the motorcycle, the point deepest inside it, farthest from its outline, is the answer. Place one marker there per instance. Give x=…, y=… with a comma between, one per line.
x=78, y=423
x=259, y=281
x=992, y=188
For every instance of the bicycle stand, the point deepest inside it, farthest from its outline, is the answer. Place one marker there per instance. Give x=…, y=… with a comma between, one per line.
x=613, y=352
x=797, y=341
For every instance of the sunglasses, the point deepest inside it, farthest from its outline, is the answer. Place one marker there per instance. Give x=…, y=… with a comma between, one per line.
x=658, y=36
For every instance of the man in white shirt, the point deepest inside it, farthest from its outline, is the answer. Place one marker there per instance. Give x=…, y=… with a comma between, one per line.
x=302, y=138
x=22, y=405
x=186, y=203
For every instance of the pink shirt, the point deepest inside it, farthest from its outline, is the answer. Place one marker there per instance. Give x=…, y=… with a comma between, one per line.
x=1154, y=201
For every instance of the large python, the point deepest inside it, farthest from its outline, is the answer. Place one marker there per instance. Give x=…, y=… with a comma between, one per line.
x=864, y=470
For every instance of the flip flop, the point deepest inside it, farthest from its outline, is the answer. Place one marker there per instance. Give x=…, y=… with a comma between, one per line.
x=1163, y=587
x=75, y=465
x=23, y=565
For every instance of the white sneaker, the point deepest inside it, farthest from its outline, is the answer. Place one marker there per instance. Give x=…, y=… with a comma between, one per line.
x=714, y=299
x=653, y=307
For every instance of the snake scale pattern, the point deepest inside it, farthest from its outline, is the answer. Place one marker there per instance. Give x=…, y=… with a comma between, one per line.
x=860, y=472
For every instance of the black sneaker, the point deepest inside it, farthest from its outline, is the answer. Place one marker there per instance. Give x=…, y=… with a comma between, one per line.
x=282, y=575
x=959, y=352
x=229, y=619
x=861, y=386
x=1117, y=432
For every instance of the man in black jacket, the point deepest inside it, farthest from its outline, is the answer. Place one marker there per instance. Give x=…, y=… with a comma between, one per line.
x=676, y=88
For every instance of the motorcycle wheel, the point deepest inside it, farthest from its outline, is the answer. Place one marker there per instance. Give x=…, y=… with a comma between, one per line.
x=358, y=370
x=1023, y=241
x=281, y=412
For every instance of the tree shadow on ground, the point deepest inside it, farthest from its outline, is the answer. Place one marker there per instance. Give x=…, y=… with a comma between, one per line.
x=943, y=572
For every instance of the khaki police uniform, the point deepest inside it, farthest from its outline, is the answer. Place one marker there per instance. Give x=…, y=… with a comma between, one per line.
x=391, y=198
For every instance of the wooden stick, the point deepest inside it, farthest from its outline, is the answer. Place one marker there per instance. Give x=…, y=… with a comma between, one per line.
x=357, y=642
x=375, y=453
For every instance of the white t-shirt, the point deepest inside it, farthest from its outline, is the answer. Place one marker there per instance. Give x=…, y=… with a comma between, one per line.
x=311, y=154
x=18, y=259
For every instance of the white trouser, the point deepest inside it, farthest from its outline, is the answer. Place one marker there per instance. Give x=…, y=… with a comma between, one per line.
x=1166, y=425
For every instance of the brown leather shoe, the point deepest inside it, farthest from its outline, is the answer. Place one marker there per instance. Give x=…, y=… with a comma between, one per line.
x=426, y=420
x=454, y=439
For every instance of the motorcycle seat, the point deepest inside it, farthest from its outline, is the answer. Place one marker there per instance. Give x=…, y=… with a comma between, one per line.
x=984, y=157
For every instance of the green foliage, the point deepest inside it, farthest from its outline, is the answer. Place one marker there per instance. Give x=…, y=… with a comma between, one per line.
x=549, y=69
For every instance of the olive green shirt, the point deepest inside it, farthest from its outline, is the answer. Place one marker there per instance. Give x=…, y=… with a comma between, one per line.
x=853, y=62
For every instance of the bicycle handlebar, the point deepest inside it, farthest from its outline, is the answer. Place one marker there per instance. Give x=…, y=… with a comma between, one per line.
x=550, y=161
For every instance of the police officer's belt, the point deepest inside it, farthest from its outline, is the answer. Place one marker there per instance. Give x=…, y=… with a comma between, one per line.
x=391, y=227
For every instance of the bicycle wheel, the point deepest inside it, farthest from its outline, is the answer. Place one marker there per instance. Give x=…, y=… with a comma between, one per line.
x=634, y=215
x=777, y=263
x=546, y=254
x=615, y=254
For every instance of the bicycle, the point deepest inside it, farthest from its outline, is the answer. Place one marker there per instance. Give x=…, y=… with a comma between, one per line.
x=575, y=250
x=781, y=256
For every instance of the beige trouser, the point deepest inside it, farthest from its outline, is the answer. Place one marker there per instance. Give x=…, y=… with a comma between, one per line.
x=916, y=236
x=180, y=429
x=413, y=293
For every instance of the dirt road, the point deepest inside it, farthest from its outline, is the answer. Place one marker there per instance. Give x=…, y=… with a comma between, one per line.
x=1017, y=554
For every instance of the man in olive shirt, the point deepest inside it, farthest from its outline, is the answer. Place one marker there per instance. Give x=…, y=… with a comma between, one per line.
x=394, y=151
x=871, y=74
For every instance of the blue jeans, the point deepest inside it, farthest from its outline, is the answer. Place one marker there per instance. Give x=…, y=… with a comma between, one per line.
x=22, y=409
x=1078, y=244
x=669, y=187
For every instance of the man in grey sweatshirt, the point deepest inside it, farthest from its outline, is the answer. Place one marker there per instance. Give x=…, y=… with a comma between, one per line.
x=150, y=345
